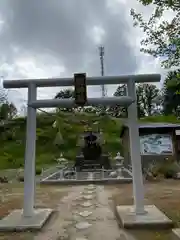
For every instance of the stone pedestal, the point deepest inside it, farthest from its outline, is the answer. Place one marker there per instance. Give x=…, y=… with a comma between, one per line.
x=15, y=221
x=153, y=218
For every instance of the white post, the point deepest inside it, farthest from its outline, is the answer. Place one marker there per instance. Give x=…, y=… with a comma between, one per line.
x=76, y=176
x=29, y=167
x=138, y=188
x=102, y=173
x=61, y=175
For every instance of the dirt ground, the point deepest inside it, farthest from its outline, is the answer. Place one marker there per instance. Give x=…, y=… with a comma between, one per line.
x=165, y=195
x=64, y=223
x=11, y=197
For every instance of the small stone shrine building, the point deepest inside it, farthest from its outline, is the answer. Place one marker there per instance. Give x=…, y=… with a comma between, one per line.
x=158, y=142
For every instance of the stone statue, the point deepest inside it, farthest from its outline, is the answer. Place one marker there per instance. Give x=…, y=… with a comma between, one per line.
x=92, y=155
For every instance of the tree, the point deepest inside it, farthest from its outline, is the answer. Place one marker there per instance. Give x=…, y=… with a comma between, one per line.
x=118, y=111
x=171, y=91
x=139, y=100
x=12, y=111
x=158, y=103
x=162, y=37
x=67, y=93
x=7, y=111
x=146, y=93
x=166, y=4
x=4, y=111
x=3, y=105
x=3, y=96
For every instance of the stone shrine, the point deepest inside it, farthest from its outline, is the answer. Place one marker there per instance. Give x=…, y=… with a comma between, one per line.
x=91, y=154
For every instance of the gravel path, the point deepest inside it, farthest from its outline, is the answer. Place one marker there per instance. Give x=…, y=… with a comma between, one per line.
x=83, y=214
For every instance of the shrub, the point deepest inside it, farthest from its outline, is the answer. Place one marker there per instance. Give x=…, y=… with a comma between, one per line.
x=38, y=171
x=169, y=170
x=170, y=173
x=4, y=179
x=21, y=178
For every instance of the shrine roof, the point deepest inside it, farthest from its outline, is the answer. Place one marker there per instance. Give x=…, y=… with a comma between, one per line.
x=151, y=125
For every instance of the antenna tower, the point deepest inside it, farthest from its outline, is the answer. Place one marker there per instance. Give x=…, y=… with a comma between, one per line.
x=101, y=54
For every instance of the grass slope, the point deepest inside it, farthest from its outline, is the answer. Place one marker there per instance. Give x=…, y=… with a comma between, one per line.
x=12, y=138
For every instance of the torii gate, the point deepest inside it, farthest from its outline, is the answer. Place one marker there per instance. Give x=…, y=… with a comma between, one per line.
x=129, y=101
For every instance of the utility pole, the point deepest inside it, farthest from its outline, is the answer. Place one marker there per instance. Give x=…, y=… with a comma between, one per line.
x=101, y=54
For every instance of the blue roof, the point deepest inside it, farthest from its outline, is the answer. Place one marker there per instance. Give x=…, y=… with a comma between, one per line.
x=147, y=125
x=159, y=125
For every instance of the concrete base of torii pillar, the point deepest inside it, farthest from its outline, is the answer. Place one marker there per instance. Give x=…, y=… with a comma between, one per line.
x=16, y=221
x=152, y=218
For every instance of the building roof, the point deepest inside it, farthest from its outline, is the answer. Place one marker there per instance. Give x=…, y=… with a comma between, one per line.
x=150, y=125
x=159, y=125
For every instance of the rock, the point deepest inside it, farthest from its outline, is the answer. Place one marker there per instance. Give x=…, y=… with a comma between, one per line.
x=91, y=186
x=177, y=175
x=81, y=238
x=88, y=192
x=88, y=197
x=83, y=122
x=85, y=213
x=86, y=204
x=3, y=179
x=150, y=177
x=113, y=174
x=69, y=174
x=64, y=237
x=83, y=225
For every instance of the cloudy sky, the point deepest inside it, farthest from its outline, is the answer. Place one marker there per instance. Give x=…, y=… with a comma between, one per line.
x=55, y=38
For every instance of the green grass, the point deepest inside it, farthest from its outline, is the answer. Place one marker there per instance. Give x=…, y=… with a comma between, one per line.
x=12, y=138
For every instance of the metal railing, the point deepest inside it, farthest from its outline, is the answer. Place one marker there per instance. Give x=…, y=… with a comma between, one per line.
x=99, y=174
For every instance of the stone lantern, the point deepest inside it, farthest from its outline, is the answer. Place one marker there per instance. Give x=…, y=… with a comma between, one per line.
x=178, y=112
x=62, y=160
x=119, y=164
x=119, y=159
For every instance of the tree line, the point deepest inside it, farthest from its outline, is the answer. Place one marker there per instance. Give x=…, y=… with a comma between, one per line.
x=150, y=99
x=7, y=109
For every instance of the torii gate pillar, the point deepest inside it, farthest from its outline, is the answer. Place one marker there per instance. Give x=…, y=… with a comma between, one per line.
x=30, y=155
x=138, y=187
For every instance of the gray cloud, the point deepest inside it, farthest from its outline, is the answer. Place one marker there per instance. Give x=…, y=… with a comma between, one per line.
x=62, y=30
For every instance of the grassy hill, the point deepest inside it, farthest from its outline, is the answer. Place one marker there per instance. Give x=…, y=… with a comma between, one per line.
x=12, y=136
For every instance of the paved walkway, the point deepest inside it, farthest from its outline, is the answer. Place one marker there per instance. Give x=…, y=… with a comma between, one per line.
x=84, y=214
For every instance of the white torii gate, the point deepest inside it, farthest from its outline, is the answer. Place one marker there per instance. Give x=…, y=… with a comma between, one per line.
x=128, y=101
